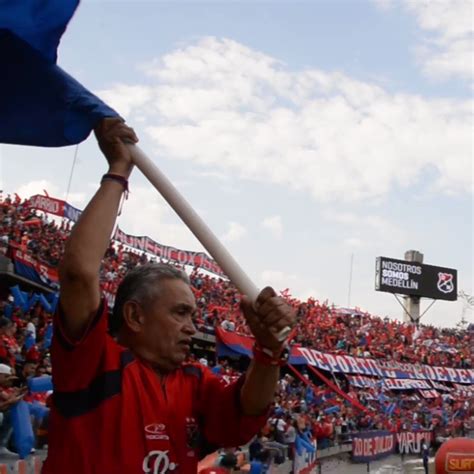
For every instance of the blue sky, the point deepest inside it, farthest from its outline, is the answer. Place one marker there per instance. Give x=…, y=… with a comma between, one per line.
x=303, y=132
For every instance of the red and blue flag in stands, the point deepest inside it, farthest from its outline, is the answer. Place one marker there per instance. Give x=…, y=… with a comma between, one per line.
x=230, y=344
x=40, y=104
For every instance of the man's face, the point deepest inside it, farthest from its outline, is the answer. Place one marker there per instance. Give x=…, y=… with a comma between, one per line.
x=11, y=330
x=165, y=337
x=29, y=370
x=4, y=380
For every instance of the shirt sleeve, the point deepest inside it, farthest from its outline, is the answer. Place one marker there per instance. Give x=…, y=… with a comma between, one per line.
x=76, y=363
x=224, y=424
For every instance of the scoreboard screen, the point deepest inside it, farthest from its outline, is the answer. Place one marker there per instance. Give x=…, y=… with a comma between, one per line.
x=415, y=279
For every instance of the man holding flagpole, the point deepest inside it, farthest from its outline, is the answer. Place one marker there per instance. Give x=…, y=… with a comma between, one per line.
x=126, y=402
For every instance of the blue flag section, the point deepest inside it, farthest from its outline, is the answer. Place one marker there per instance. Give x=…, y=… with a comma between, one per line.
x=38, y=22
x=40, y=104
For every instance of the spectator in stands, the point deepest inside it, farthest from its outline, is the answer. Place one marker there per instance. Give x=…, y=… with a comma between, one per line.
x=8, y=397
x=261, y=463
x=157, y=408
x=290, y=436
x=28, y=370
x=230, y=458
x=9, y=347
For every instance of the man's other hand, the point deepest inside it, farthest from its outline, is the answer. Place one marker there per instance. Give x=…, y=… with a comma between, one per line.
x=268, y=317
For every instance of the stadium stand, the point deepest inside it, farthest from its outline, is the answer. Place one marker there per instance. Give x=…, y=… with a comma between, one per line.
x=301, y=411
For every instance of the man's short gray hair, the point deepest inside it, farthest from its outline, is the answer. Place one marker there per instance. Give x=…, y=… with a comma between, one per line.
x=142, y=285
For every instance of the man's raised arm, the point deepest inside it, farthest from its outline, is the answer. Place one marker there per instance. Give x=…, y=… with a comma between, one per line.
x=90, y=237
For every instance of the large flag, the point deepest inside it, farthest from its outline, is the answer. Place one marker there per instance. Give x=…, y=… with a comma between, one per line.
x=40, y=104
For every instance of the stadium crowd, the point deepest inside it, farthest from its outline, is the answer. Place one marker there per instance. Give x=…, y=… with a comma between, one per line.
x=317, y=410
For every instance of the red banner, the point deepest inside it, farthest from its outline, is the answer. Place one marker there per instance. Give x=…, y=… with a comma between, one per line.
x=47, y=204
x=183, y=257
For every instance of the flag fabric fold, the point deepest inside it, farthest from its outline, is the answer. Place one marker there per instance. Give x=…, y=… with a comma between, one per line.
x=38, y=22
x=40, y=104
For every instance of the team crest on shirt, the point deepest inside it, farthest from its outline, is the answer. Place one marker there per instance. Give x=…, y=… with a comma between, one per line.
x=192, y=432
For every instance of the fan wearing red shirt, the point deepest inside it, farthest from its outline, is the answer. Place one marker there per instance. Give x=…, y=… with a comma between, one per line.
x=128, y=404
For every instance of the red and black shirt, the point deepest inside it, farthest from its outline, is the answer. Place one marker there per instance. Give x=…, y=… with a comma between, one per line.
x=112, y=413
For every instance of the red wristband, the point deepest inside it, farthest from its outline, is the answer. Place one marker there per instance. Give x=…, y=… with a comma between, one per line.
x=116, y=177
x=269, y=358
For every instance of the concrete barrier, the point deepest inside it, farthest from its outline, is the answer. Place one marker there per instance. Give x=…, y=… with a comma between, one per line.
x=333, y=451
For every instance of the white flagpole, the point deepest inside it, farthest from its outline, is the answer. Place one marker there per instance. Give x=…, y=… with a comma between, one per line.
x=198, y=227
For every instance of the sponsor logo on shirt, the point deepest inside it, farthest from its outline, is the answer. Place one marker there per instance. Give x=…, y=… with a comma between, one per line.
x=156, y=431
x=158, y=462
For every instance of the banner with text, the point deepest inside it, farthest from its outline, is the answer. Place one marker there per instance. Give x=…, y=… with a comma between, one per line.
x=236, y=344
x=463, y=391
x=30, y=268
x=47, y=204
x=429, y=393
x=372, y=445
x=411, y=442
x=360, y=381
x=380, y=368
x=71, y=212
x=405, y=384
x=305, y=461
x=61, y=208
x=388, y=384
x=415, y=279
x=183, y=257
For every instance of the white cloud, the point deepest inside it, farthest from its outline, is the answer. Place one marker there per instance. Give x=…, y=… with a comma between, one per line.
x=281, y=281
x=274, y=225
x=216, y=175
x=236, y=111
x=383, y=4
x=126, y=98
x=353, y=242
x=447, y=46
x=367, y=230
x=37, y=187
x=235, y=232
x=277, y=279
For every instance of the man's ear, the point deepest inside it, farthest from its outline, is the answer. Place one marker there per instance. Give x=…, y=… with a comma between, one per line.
x=133, y=316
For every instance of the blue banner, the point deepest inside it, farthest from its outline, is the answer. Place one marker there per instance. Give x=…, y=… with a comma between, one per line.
x=372, y=445
x=26, y=266
x=71, y=212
